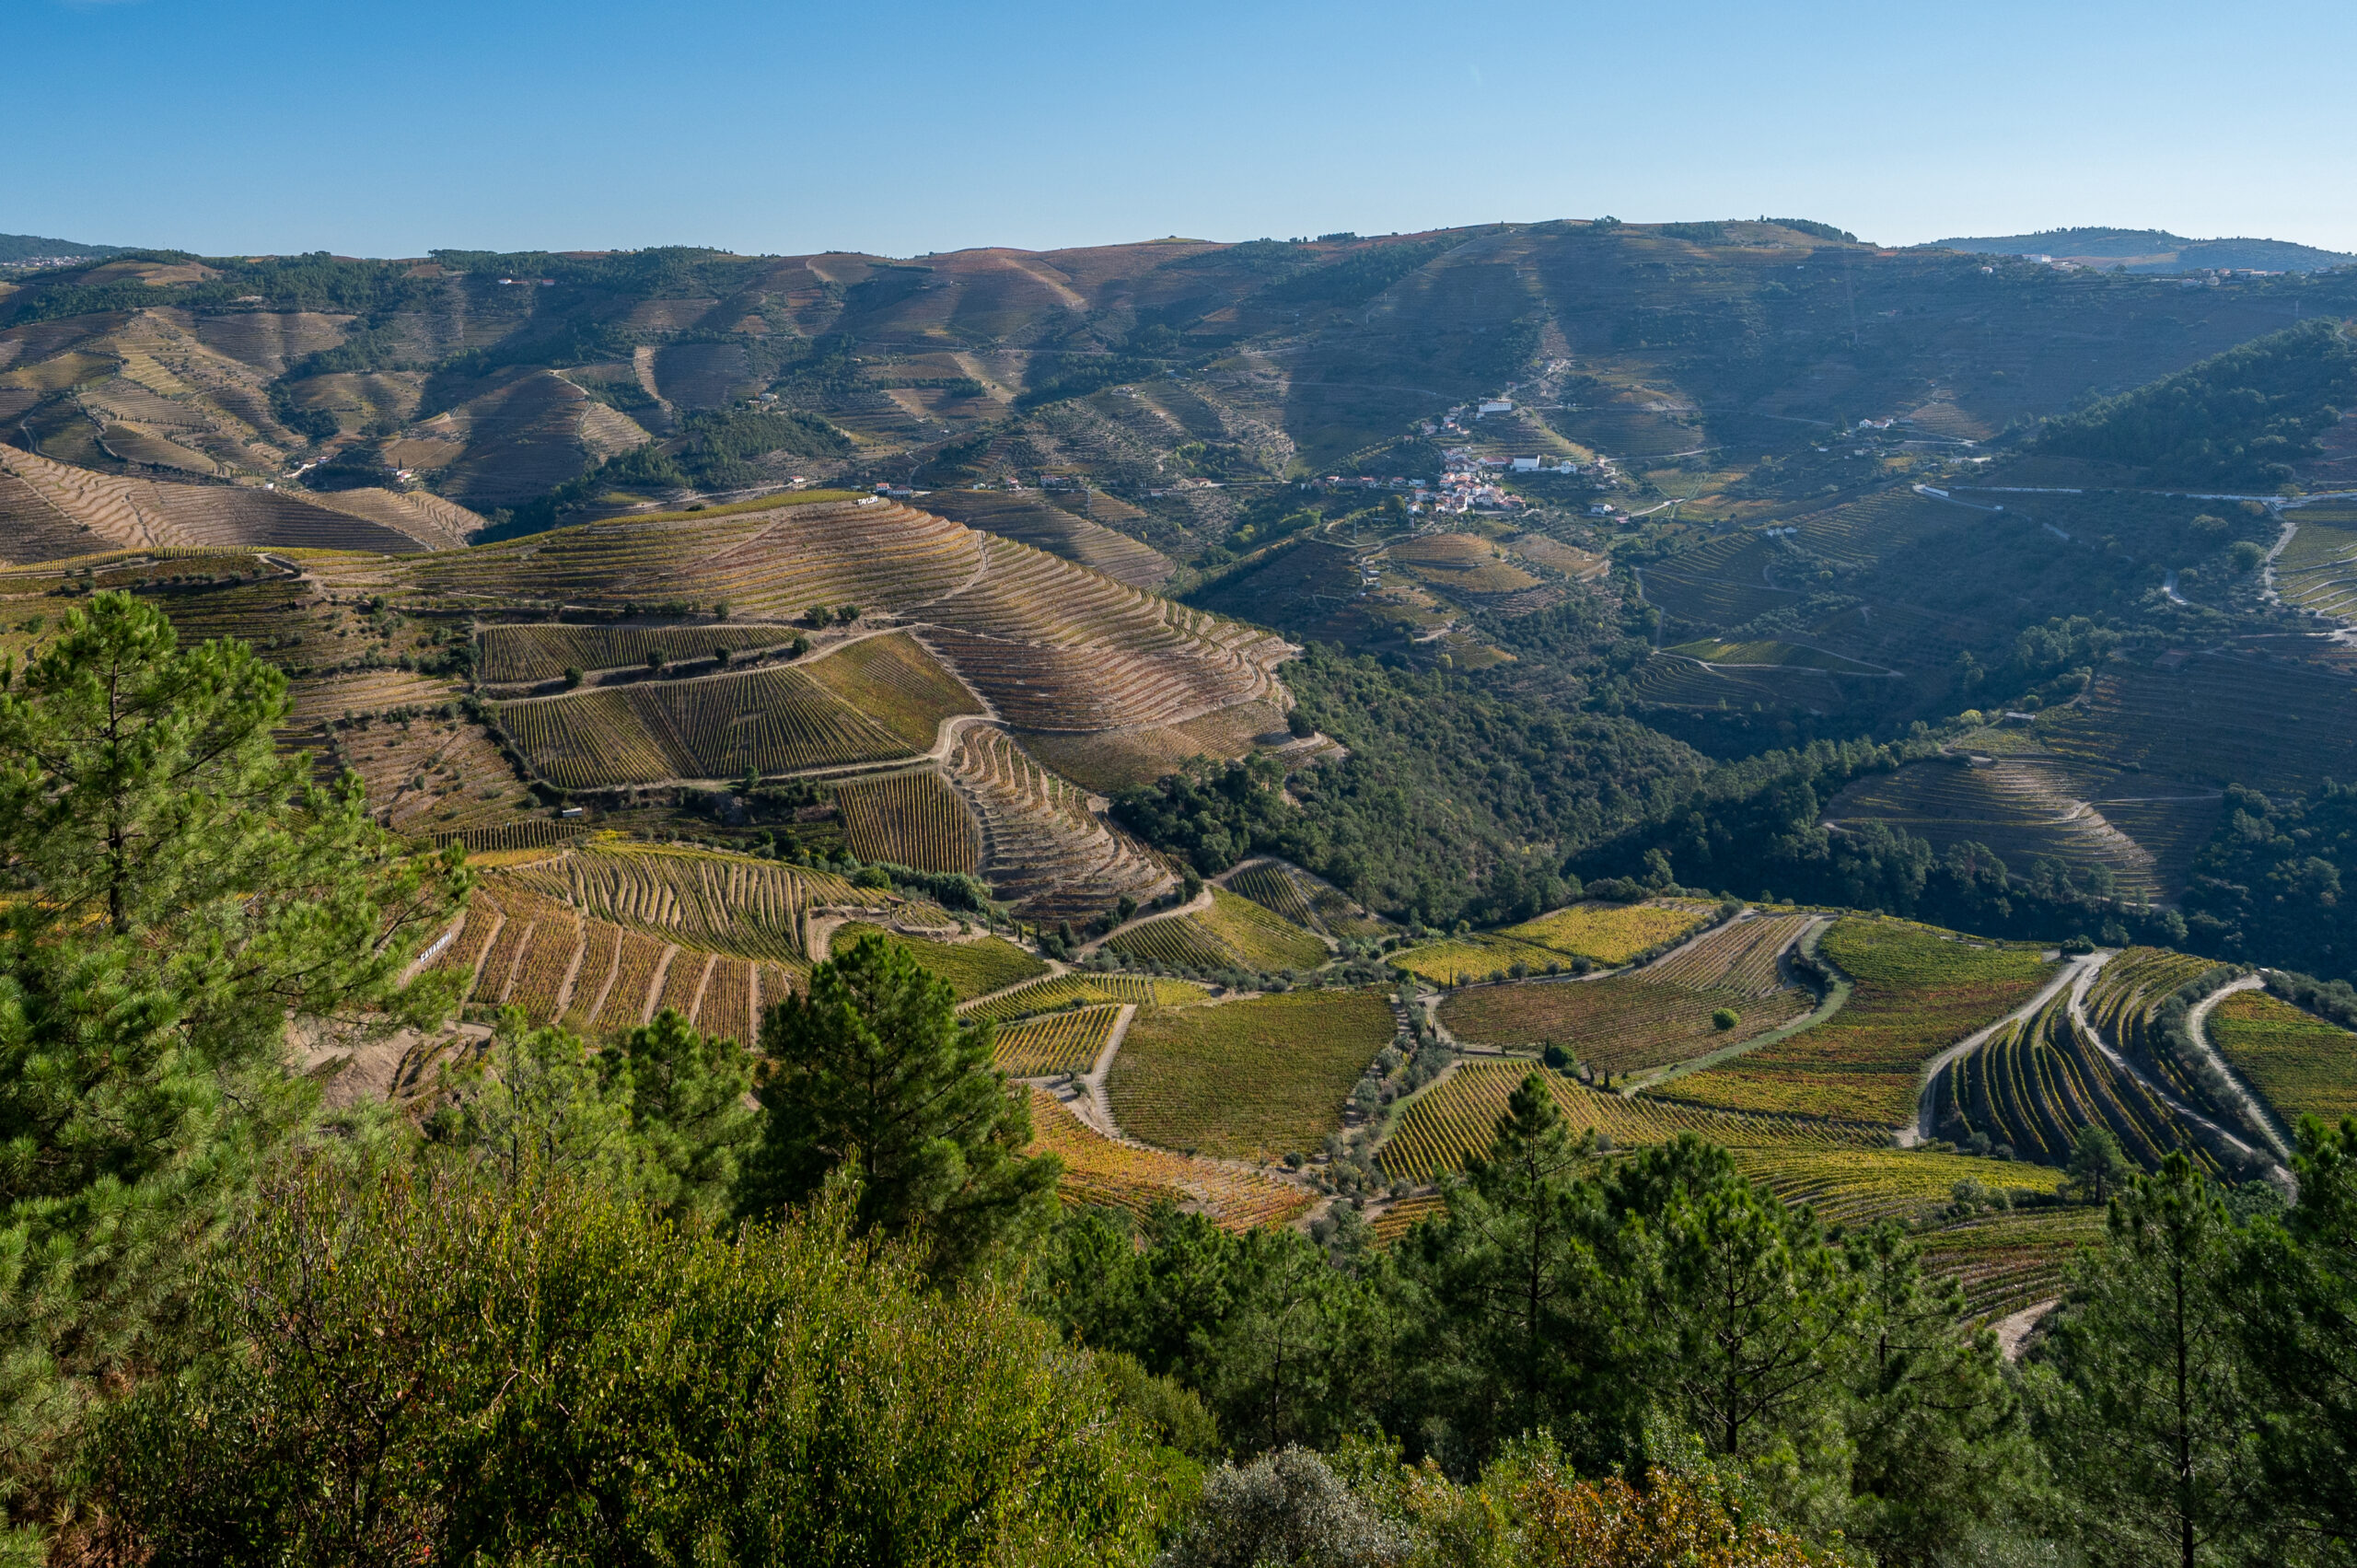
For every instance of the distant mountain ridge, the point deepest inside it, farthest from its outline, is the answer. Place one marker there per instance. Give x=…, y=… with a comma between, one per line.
x=2157, y=250
x=15, y=248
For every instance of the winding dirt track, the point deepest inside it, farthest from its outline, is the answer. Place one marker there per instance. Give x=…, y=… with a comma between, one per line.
x=2078, y=974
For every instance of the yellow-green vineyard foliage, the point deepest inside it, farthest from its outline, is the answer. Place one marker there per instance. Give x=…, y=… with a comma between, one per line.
x=1608, y=934
x=1663, y=1012
x=1918, y=990
x=1064, y=990
x=1056, y=1042
x=1253, y=1079
x=541, y=651
x=1233, y=933
x=2038, y=1082
x=913, y=819
x=1123, y=1175
x=1459, y=1116
x=2303, y=1066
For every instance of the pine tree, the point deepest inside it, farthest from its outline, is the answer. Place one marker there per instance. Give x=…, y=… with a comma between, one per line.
x=687, y=1106
x=534, y=1101
x=2148, y=1410
x=177, y=891
x=2299, y=1318
x=1759, y=1311
x=873, y=1072
x=2097, y=1167
x=1934, y=1427
x=1523, y=1308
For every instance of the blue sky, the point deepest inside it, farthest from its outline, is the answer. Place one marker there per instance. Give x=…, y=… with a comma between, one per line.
x=903, y=126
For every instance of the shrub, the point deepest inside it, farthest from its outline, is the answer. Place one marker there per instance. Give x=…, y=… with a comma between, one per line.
x=1287, y=1507
x=1725, y=1018
x=539, y=1370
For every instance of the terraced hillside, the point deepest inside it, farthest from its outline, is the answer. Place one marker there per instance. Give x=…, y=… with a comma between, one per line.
x=1175, y=1082
x=947, y=624
x=2317, y=568
x=1232, y=933
x=2034, y=1085
x=778, y=719
x=2302, y=1064
x=2217, y=718
x=51, y=511
x=910, y=819
x=1027, y=517
x=1099, y=1170
x=538, y=652
x=1846, y=1172
x=1918, y=990
x=601, y=938
x=1722, y=987
x=2024, y=810
x=1042, y=845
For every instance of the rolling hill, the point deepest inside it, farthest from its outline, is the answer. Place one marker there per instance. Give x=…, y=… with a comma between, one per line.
x=2157, y=250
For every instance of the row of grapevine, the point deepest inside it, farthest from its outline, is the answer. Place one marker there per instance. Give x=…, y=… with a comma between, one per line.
x=1611, y=933
x=1056, y=1042
x=2124, y=1002
x=529, y=833
x=1622, y=1023
x=1256, y=1078
x=2037, y=1083
x=768, y=721
x=1233, y=933
x=1042, y=848
x=1919, y=989
x=730, y=903
x=1061, y=990
x=543, y=651
x=2303, y=1066
x=1458, y=1117
x=593, y=976
x=2007, y=1262
x=1101, y=1172
x=774, y=561
x=1861, y=1186
x=1271, y=885
x=897, y=681
x=913, y=820
x=1739, y=957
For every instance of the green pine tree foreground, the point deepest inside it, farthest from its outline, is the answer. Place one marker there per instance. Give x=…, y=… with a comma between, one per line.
x=670, y=1300
x=176, y=893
